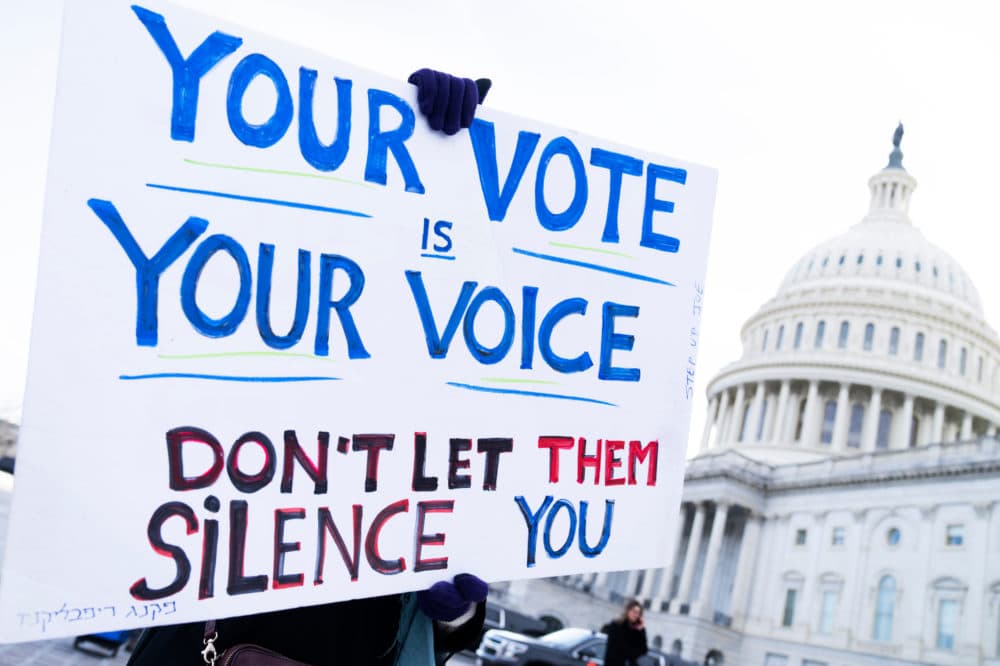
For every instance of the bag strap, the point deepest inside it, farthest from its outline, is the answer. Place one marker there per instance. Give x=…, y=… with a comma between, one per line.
x=209, y=654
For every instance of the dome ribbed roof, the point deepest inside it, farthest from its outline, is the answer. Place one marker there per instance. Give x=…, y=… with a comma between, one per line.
x=884, y=251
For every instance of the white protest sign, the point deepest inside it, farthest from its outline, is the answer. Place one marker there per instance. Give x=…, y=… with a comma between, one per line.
x=292, y=347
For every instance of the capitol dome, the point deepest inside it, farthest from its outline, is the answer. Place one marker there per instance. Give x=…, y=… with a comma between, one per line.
x=875, y=340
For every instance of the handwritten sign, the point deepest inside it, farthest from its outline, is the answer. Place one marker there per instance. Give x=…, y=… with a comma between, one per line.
x=292, y=347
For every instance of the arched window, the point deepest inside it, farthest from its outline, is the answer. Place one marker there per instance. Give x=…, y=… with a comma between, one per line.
x=918, y=347
x=884, y=426
x=894, y=341
x=781, y=336
x=763, y=346
x=885, y=604
x=820, y=331
x=829, y=416
x=962, y=358
x=869, y=336
x=845, y=329
x=857, y=422
x=942, y=353
x=798, y=335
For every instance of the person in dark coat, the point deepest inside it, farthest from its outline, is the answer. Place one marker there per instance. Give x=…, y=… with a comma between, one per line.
x=405, y=629
x=379, y=631
x=626, y=637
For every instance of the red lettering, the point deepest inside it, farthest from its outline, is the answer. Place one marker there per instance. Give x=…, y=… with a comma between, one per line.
x=638, y=453
x=554, y=444
x=583, y=461
x=611, y=462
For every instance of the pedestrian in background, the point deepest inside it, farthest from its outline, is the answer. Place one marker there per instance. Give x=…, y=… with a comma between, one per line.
x=626, y=637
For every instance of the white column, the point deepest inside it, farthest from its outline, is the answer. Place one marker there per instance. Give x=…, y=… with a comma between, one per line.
x=754, y=423
x=646, y=592
x=840, y=419
x=967, y=426
x=633, y=577
x=702, y=599
x=667, y=579
x=600, y=580
x=691, y=557
x=710, y=420
x=937, y=434
x=810, y=422
x=870, y=431
x=778, y=431
x=746, y=567
x=724, y=414
x=736, y=421
x=903, y=433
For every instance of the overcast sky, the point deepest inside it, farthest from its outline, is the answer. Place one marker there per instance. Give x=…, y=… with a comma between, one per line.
x=793, y=102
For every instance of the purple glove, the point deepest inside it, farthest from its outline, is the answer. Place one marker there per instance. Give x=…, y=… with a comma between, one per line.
x=448, y=101
x=446, y=601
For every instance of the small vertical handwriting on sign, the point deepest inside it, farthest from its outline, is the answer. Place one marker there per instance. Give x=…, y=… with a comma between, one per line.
x=693, y=341
x=440, y=245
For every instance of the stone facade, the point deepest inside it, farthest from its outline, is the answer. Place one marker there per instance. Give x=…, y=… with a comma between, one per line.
x=844, y=507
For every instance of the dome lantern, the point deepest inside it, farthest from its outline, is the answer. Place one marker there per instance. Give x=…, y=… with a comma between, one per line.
x=891, y=187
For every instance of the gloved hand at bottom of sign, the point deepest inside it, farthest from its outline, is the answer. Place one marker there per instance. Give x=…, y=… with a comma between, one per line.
x=453, y=603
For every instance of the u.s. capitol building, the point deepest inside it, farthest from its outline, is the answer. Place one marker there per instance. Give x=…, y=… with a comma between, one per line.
x=844, y=506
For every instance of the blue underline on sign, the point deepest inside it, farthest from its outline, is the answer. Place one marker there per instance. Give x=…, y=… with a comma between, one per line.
x=593, y=267
x=531, y=394
x=437, y=256
x=227, y=378
x=261, y=200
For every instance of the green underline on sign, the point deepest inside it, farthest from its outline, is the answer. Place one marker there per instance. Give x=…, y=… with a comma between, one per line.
x=186, y=357
x=511, y=380
x=277, y=172
x=591, y=249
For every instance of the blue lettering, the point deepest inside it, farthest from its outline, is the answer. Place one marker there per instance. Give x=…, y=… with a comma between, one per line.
x=611, y=341
x=328, y=263
x=186, y=73
x=265, y=264
x=486, y=355
x=484, y=146
x=215, y=328
x=381, y=142
x=650, y=238
x=616, y=164
x=530, y=297
x=571, y=512
x=588, y=551
x=147, y=271
x=324, y=158
x=437, y=345
x=270, y=132
x=531, y=519
x=441, y=229
x=553, y=317
x=570, y=216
